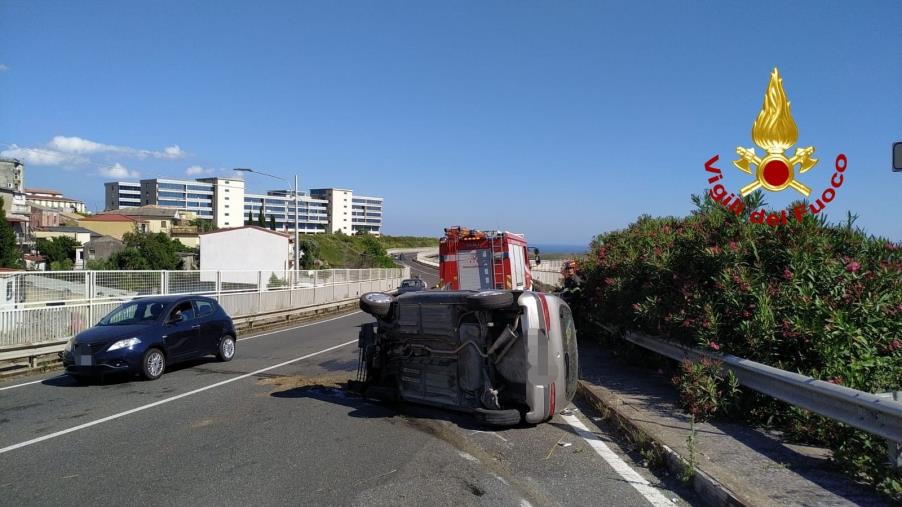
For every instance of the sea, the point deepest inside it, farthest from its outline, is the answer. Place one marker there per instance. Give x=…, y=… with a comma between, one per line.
x=556, y=248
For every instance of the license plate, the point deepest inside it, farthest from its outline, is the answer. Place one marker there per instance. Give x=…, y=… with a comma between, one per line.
x=84, y=360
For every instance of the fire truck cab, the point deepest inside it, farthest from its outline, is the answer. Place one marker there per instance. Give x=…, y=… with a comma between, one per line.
x=475, y=260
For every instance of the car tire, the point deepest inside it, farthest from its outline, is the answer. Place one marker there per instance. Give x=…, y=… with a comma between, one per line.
x=153, y=364
x=377, y=304
x=510, y=417
x=490, y=300
x=226, y=349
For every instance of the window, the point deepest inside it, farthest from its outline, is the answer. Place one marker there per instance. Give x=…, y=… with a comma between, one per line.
x=162, y=224
x=203, y=307
x=226, y=214
x=227, y=198
x=185, y=309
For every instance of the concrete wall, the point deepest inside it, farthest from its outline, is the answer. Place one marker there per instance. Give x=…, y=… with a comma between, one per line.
x=243, y=249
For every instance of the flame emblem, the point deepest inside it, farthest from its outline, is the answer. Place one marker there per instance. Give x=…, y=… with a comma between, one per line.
x=775, y=132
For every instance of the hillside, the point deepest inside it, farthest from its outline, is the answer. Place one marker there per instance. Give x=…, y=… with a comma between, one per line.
x=343, y=251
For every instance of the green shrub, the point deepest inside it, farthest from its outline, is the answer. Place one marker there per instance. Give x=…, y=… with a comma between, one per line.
x=818, y=299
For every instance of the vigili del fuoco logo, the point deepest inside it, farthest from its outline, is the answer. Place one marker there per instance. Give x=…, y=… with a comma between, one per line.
x=775, y=132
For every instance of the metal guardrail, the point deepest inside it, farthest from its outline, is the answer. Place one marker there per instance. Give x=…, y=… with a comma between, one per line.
x=874, y=414
x=28, y=326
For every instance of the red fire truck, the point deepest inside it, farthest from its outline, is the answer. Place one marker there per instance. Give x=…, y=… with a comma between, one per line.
x=474, y=260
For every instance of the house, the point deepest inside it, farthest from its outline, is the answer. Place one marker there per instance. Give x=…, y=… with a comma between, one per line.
x=109, y=224
x=102, y=248
x=241, y=252
x=42, y=216
x=53, y=199
x=171, y=221
x=80, y=234
x=35, y=262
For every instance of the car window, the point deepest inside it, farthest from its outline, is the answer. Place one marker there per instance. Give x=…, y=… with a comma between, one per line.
x=203, y=307
x=185, y=308
x=135, y=312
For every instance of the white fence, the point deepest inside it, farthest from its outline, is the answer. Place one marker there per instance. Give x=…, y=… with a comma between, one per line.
x=46, y=307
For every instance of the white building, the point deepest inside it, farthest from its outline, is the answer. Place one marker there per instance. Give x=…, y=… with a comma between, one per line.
x=239, y=253
x=53, y=199
x=225, y=202
x=313, y=214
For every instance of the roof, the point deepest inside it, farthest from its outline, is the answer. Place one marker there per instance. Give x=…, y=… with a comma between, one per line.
x=108, y=217
x=170, y=298
x=34, y=257
x=67, y=228
x=104, y=239
x=57, y=198
x=42, y=191
x=149, y=210
x=220, y=231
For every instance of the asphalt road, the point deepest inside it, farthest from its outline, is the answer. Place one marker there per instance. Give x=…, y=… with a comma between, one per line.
x=274, y=427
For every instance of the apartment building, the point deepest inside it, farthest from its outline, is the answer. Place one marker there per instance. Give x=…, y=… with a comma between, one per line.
x=122, y=194
x=53, y=199
x=227, y=204
x=313, y=214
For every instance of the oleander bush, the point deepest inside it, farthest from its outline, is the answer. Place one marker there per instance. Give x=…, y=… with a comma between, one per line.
x=820, y=299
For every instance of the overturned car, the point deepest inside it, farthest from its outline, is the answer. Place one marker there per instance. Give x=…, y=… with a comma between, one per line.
x=504, y=356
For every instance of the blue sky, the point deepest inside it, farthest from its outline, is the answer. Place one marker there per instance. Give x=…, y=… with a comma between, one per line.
x=559, y=119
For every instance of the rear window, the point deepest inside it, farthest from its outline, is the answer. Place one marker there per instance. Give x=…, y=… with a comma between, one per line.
x=204, y=307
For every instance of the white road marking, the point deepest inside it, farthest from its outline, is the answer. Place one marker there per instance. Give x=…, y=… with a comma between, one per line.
x=467, y=456
x=166, y=400
x=29, y=383
x=299, y=327
x=629, y=475
x=239, y=339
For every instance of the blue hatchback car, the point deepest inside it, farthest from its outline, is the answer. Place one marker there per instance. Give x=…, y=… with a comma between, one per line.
x=147, y=334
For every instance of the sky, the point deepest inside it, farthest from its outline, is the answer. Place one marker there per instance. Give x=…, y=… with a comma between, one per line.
x=561, y=120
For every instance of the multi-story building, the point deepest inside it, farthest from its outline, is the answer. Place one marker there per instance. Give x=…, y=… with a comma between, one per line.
x=313, y=215
x=351, y=214
x=15, y=205
x=122, y=194
x=224, y=201
x=53, y=199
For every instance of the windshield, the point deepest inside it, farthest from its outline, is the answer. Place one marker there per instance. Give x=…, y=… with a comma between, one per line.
x=135, y=312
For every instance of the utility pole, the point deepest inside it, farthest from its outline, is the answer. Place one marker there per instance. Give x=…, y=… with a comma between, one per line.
x=297, y=245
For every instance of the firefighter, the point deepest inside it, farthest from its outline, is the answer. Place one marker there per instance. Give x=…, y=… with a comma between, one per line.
x=572, y=290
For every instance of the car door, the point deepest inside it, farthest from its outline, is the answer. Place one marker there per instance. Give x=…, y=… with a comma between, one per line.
x=181, y=336
x=210, y=330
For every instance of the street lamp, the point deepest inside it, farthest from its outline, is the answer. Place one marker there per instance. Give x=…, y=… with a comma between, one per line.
x=295, y=191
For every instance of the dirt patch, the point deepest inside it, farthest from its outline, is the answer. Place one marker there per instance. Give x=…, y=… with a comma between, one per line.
x=333, y=380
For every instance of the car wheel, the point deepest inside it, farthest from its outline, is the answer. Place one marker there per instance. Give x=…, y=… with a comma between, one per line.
x=510, y=417
x=226, y=349
x=153, y=364
x=376, y=303
x=490, y=300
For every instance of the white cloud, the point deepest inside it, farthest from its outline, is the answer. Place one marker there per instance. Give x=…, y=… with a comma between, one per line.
x=42, y=156
x=118, y=170
x=173, y=151
x=3, y=68
x=80, y=145
x=197, y=170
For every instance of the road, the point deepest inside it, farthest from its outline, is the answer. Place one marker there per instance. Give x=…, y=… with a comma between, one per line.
x=274, y=427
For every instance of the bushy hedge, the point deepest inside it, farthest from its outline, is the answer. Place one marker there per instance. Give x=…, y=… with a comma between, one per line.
x=818, y=299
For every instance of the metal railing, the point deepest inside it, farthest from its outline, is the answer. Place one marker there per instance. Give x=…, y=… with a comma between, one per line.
x=878, y=415
x=47, y=307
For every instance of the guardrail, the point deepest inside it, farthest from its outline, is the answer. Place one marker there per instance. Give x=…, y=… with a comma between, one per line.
x=878, y=415
x=29, y=326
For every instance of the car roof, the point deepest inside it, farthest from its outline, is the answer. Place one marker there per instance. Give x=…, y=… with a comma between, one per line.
x=171, y=298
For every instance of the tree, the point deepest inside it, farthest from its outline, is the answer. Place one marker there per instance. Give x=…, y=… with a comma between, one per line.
x=261, y=219
x=148, y=251
x=57, y=250
x=250, y=217
x=310, y=251
x=272, y=222
x=10, y=256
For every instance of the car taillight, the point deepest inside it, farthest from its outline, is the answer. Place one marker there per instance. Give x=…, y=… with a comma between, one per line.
x=553, y=393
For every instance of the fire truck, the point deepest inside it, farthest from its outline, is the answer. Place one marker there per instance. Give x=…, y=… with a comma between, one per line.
x=474, y=260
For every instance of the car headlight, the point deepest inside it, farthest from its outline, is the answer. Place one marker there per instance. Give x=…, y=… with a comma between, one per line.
x=125, y=344
x=69, y=345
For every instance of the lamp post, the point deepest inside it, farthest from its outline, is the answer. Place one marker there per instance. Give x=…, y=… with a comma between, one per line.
x=295, y=191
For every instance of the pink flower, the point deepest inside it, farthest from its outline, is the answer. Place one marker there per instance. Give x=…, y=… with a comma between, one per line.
x=852, y=267
x=609, y=281
x=715, y=250
x=714, y=345
x=636, y=307
x=787, y=274
x=734, y=246
x=836, y=380
x=894, y=345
